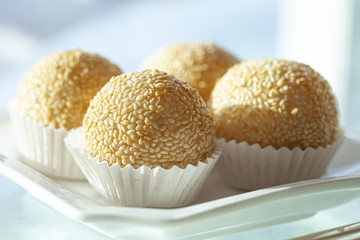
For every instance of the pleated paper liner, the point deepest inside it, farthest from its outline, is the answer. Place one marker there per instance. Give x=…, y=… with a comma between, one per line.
x=43, y=148
x=142, y=187
x=250, y=167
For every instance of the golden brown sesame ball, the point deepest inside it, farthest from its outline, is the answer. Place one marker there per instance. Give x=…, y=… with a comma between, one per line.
x=199, y=64
x=57, y=89
x=275, y=103
x=148, y=118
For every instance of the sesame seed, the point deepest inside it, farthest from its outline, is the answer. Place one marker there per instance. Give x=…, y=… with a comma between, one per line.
x=294, y=111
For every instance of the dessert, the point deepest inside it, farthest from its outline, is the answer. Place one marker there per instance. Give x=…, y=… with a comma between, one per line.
x=150, y=137
x=56, y=91
x=284, y=117
x=51, y=99
x=200, y=64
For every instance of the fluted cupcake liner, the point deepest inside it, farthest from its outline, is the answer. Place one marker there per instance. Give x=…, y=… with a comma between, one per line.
x=43, y=148
x=251, y=167
x=142, y=187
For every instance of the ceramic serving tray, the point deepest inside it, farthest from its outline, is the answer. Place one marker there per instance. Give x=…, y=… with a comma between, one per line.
x=219, y=210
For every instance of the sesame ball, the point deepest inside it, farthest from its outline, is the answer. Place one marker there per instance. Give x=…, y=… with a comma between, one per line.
x=148, y=118
x=199, y=64
x=275, y=103
x=56, y=91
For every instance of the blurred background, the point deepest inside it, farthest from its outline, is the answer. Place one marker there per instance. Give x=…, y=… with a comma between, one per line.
x=322, y=33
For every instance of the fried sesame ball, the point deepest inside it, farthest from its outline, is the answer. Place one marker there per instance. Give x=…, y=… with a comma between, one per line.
x=148, y=118
x=200, y=64
x=275, y=103
x=56, y=91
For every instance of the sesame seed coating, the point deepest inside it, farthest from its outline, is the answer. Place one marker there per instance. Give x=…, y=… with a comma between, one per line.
x=199, y=64
x=148, y=118
x=275, y=103
x=56, y=90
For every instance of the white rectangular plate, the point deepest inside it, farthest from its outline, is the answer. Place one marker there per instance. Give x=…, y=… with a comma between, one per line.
x=213, y=213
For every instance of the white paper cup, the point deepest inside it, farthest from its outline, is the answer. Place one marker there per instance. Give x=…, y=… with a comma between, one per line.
x=250, y=167
x=142, y=187
x=43, y=148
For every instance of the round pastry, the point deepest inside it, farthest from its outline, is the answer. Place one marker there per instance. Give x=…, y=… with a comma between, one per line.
x=148, y=118
x=52, y=99
x=57, y=90
x=275, y=104
x=144, y=129
x=200, y=64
